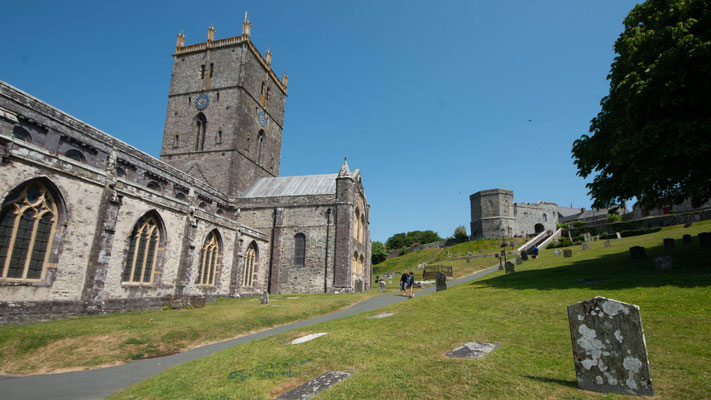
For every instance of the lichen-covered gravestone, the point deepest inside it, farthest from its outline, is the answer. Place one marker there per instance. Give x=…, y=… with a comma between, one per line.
x=265, y=298
x=557, y=253
x=609, y=349
x=567, y=253
x=607, y=243
x=381, y=286
x=618, y=235
x=519, y=260
x=359, y=286
x=510, y=269
x=663, y=263
x=441, y=281
x=524, y=255
x=686, y=239
x=586, y=246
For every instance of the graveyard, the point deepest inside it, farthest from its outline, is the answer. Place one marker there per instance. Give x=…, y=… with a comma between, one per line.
x=517, y=325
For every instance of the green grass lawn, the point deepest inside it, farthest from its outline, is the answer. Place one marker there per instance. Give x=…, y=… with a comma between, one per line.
x=84, y=342
x=401, y=357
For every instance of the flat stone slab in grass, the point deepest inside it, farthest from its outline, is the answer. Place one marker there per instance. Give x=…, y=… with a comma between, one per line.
x=307, y=338
x=384, y=315
x=609, y=350
x=472, y=350
x=311, y=388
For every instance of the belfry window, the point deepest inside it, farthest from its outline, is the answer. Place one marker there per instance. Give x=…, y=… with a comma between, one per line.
x=208, y=259
x=212, y=69
x=21, y=134
x=299, y=250
x=28, y=220
x=260, y=145
x=200, y=130
x=202, y=71
x=142, y=255
x=75, y=155
x=250, y=260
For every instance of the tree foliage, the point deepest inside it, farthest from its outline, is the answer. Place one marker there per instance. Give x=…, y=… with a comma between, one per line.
x=460, y=234
x=400, y=240
x=377, y=252
x=652, y=138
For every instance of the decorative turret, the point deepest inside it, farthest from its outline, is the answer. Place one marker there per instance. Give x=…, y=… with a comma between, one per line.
x=268, y=57
x=284, y=80
x=344, y=172
x=181, y=40
x=211, y=33
x=246, y=26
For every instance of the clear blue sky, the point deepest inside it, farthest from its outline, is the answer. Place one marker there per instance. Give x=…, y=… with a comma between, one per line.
x=432, y=101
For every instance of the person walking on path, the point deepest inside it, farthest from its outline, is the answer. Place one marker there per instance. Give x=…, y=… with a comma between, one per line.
x=411, y=284
x=403, y=284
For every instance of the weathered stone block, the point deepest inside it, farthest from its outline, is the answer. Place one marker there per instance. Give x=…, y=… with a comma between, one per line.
x=607, y=243
x=381, y=286
x=510, y=268
x=609, y=349
x=668, y=243
x=519, y=260
x=686, y=239
x=265, y=298
x=637, y=252
x=524, y=256
x=567, y=253
x=441, y=281
x=663, y=263
x=586, y=246
x=359, y=286
x=311, y=388
x=557, y=253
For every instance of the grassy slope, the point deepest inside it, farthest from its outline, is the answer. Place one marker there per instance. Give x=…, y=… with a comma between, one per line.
x=401, y=357
x=116, y=338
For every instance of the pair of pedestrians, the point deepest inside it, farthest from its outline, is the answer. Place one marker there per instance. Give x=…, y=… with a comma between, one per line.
x=407, y=284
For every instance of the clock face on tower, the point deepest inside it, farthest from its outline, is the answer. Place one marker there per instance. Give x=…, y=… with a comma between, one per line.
x=202, y=101
x=262, y=118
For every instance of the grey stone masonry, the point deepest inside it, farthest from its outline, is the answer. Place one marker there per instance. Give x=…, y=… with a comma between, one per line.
x=609, y=349
x=309, y=389
x=510, y=268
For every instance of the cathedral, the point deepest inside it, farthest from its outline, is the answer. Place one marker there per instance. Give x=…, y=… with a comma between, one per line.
x=90, y=224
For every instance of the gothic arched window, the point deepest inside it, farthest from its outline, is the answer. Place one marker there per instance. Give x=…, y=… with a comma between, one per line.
x=200, y=130
x=299, y=250
x=153, y=185
x=355, y=263
x=28, y=220
x=20, y=133
x=361, y=265
x=208, y=259
x=142, y=255
x=260, y=146
x=250, y=259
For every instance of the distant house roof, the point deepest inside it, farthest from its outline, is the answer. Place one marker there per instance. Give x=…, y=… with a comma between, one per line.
x=292, y=186
x=567, y=211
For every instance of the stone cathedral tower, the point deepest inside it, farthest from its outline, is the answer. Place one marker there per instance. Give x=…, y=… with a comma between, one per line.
x=225, y=112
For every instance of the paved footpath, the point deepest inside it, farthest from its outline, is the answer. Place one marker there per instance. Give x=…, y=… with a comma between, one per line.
x=99, y=383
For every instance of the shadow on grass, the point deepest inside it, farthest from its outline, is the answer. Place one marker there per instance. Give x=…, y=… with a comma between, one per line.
x=562, y=382
x=692, y=268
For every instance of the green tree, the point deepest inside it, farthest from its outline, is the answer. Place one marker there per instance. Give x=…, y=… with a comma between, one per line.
x=460, y=233
x=652, y=138
x=397, y=241
x=377, y=252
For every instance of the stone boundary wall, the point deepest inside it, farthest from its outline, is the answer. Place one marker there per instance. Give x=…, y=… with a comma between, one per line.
x=643, y=223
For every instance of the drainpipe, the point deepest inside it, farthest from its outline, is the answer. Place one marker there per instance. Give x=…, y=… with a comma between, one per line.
x=325, y=267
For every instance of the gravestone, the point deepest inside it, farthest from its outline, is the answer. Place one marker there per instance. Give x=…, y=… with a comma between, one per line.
x=586, y=246
x=697, y=218
x=705, y=239
x=597, y=238
x=510, y=269
x=380, y=316
x=686, y=239
x=307, y=338
x=469, y=253
x=265, y=298
x=609, y=350
x=381, y=286
x=524, y=255
x=607, y=243
x=663, y=263
x=359, y=286
x=637, y=252
x=557, y=252
x=441, y=281
x=390, y=282
x=618, y=235
x=455, y=254
x=668, y=244
x=688, y=224
x=567, y=253
x=519, y=260
x=472, y=350
x=309, y=389
x=468, y=259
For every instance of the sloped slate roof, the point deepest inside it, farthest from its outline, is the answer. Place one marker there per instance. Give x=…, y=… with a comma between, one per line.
x=292, y=186
x=567, y=211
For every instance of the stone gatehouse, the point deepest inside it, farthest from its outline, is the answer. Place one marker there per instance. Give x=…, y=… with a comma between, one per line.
x=90, y=224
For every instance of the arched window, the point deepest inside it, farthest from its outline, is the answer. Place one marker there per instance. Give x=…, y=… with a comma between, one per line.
x=120, y=172
x=180, y=196
x=75, y=155
x=545, y=218
x=362, y=228
x=153, y=185
x=200, y=129
x=209, y=259
x=202, y=205
x=28, y=220
x=260, y=146
x=21, y=134
x=299, y=250
x=361, y=264
x=142, y=255
x=250, y=260
x=355, y=262
x=218, y=138
x=356, y=224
